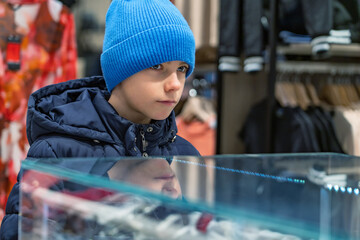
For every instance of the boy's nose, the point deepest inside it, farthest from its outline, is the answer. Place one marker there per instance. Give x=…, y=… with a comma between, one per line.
x=172, y=83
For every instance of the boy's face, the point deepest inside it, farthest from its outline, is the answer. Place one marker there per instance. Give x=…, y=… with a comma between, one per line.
x=151, y=93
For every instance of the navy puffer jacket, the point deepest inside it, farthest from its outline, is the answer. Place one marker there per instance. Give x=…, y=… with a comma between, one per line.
x=74, y=119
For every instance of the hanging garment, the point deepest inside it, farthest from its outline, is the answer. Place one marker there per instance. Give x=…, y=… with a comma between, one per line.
x=324, y=128
x=37, y=48
x=197, y=123
x=230, y=36
x=253, y=35
x=294, y=130
x=230, y=19
x=317, y=16
x=201, y=134
x=244, y=25
x=347, y=127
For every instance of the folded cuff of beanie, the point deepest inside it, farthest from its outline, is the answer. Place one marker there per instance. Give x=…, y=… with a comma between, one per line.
x=145, y=49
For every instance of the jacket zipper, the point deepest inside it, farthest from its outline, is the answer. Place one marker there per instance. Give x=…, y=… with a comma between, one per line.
x=144, y=143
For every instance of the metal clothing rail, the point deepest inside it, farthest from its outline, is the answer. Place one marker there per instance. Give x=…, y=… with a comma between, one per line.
x=319, y=67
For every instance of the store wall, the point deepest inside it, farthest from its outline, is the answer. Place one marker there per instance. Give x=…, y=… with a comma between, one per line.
x=97, y=8
x=202, y=16
x=240, y=92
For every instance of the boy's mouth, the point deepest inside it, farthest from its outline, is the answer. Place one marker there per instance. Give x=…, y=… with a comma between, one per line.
x=168, y=102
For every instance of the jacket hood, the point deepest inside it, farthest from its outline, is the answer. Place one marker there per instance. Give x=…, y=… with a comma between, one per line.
x=79, y=108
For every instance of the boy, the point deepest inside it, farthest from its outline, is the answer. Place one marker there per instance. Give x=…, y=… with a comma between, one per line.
x=148, y=52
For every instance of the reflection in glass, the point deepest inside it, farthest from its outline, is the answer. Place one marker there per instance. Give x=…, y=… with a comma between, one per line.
x=152, y=174
x=302, y=196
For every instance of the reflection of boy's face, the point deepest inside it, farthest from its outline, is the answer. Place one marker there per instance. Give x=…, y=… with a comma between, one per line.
x=151, y=93
x=153, y=174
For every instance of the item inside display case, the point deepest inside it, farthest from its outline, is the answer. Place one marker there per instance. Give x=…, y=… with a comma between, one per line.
x=302, y=196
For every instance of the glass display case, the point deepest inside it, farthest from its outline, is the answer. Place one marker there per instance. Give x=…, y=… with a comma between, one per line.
x=275, y=196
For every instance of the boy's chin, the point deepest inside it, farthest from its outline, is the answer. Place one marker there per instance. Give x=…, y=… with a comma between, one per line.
x=159, y=118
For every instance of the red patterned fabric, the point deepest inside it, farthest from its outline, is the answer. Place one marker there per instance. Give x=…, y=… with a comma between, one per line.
x=47, y=55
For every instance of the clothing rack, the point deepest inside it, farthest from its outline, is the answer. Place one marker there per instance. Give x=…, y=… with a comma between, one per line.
x=299, y=59
x=274, y=66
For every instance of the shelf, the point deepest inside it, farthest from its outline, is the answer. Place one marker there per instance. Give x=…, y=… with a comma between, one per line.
x=319, y=67
x=336, y=50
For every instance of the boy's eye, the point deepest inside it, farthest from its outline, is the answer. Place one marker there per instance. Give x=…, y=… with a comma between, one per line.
x=156, y=67
x=183, y=69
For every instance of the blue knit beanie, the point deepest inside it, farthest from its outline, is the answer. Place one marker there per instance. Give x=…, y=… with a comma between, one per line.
x=142, y=33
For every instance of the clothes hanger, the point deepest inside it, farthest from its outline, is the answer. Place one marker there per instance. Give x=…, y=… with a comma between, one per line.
x=345, y=98
x=301, y=91
x=331, y=92
x=197, y=108
x=311, y=90
x=351, y=89
x=280, y=94
x=280, y=91
x=357, y=85
x=290, y=91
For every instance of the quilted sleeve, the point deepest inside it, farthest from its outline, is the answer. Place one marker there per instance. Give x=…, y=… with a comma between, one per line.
x=9, y=225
